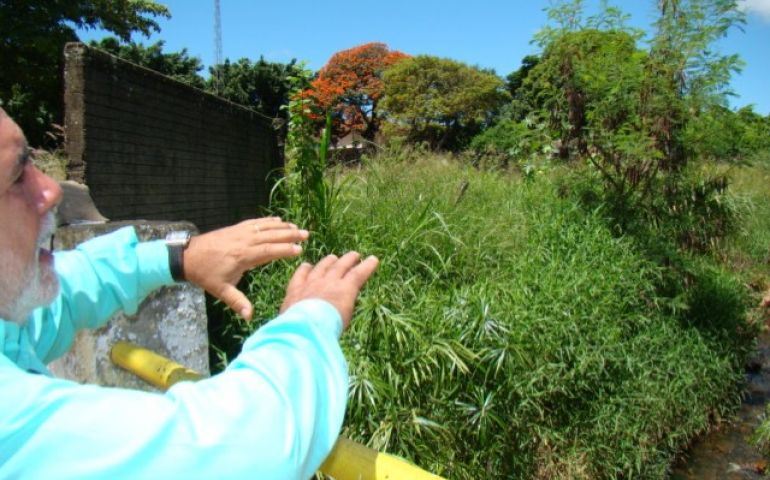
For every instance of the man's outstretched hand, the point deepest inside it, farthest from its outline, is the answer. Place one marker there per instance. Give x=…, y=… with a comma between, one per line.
x=336, y=280
x=217, y=260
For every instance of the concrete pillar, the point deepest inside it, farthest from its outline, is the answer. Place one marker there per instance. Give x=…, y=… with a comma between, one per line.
x=171, y=321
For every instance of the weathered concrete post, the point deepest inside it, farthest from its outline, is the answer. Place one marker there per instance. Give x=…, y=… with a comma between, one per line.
x=171, y=321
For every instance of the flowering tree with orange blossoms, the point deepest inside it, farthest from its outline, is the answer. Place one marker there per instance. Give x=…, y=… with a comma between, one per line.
x=350, y=85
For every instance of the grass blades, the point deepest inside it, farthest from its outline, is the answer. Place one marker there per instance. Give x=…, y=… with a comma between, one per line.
x=510, y=334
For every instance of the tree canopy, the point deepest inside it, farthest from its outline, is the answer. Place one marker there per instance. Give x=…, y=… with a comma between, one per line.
x=177, y=65
x=435, y=99
x=262, y=85
x=587, y=81
x=32, y=36
x=515, y=79
x=719, y=133
x=351, y=85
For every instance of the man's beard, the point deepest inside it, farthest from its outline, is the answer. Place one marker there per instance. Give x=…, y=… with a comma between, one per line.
x=39, y=284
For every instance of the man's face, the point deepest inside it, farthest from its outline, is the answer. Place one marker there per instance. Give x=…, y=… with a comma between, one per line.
x=27, y=200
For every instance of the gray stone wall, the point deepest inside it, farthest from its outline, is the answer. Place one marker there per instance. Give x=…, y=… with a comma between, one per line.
x=171, y=321
x=150, y=147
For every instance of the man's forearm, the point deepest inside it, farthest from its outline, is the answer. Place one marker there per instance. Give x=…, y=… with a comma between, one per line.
x=274, y=413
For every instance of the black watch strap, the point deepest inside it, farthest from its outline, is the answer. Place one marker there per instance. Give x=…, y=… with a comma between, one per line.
x=176, y=261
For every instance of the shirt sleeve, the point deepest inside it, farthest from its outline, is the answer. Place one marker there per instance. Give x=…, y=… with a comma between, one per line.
x=101, y=276
x=274, y=413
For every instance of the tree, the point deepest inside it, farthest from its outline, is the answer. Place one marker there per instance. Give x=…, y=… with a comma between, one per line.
x=588, y=83
x=261, y=85
x=719, y=133
x=438, y=100
x=351, y=85
x=32, y=36
x=514, y=80
x=756, y=136
x=686, y=74
x=516, y=110
x=627, y=112
x=177, y=65
x=680, y=76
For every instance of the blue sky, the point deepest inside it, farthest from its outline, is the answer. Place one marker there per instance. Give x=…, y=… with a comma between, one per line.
x=488, y=33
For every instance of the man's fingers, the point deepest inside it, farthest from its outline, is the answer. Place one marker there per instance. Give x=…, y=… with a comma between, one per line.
x=345, y=263
x=361, y=272
x=236, y=300
x=267, y=252
x=300, y=277
x=321, y=267
x=280, y=235
x=263, y=224
x=272, y=225
x=263, y=221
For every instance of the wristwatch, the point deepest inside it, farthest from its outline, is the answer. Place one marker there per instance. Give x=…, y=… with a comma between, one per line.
x=177, y=242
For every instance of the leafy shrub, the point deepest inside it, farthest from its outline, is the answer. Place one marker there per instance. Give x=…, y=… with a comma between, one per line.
x=52, y=163
x=719, y=133
x=504, y=138
x=698, y=212
x=689, y=208
x=638, y=116
x=306, y=196
x=509, y=142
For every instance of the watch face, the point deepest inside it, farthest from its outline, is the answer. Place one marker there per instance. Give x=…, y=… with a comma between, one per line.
x=180, y=237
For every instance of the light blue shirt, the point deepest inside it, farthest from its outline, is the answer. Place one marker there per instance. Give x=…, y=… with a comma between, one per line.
x=274, y=413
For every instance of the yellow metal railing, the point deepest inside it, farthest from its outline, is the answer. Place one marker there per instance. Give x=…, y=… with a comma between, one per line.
x=348, y=460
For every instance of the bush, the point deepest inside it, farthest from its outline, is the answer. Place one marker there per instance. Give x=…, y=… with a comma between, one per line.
x=719, y=133
x=510, y=142
x=686, y=209
x=52, y=163
x=508, y=334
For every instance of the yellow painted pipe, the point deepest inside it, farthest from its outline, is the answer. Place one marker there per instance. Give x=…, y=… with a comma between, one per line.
x=154, y=369
x=348, y=460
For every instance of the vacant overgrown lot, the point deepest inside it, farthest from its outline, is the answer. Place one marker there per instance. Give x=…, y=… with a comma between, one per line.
x=509, y=334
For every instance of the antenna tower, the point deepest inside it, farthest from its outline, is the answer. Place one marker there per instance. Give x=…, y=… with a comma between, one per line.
x=218, y=45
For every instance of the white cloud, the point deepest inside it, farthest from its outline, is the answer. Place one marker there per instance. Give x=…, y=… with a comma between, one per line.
x=760, y=7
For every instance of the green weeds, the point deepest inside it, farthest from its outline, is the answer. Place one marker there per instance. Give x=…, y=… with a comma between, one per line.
x=309, y=197
x=749, y=253
x=748, y=250
x=52, y=163
x=510, y=334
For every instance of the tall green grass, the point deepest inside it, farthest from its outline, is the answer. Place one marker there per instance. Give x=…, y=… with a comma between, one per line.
x=509, y=334
x=748, y=251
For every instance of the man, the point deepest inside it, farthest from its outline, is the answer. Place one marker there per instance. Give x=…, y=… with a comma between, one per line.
x=275, y=412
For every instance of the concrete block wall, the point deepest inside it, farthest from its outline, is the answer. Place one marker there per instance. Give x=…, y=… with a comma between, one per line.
x=152, y=148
